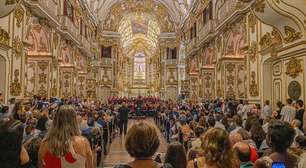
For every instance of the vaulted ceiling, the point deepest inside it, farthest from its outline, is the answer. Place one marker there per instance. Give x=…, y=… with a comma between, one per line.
x=177, y=9
x=139, y=22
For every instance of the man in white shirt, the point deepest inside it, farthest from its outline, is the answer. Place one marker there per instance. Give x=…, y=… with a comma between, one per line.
x=245, y=110
x=288, y=112
x=267, y=111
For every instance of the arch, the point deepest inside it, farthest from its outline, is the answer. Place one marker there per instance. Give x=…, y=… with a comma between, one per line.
x=4, y=75
x=234, y=43
x=38, y=40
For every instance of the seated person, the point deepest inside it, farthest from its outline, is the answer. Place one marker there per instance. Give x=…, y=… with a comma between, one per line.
x=141, y=143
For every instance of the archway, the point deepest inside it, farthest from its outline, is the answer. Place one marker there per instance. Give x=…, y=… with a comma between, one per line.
x=3, y=75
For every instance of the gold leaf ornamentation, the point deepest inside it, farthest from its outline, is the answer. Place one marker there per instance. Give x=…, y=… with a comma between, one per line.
x=17, y=46
x=4, y=37
x=15, y=87
x=252, y=22
x=260, y=6
x=294, y=67
x=270, y=39
x=253, y=85
x=252, y=52
x=19, y=14
x=11, y=2
x=291, y=34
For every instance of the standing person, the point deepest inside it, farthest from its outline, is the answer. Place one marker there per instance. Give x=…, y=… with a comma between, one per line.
x=245, y=110
x=267, y=110
x=288, y=112
x=123, y=118
x=239, y=108
x=277, y=113
x=1, y=99
x=279, y=138
x=64, y=146
x=300, y=112
x=217, y=151
x=243, y=151
x=13, y=153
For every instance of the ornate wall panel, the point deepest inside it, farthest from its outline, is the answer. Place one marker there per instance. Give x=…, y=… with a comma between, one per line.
x=208, y=85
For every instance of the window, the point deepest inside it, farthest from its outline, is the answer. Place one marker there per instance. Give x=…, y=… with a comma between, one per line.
x=171, y=53
x=106, y=52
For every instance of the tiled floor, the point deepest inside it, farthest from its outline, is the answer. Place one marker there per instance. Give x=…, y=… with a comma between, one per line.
x=118, y=154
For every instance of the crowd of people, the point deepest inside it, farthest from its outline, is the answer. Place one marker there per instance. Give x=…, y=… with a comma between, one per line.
x=62, y=133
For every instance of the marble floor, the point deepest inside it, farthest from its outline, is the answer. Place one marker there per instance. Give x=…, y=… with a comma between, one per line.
x=118, y=154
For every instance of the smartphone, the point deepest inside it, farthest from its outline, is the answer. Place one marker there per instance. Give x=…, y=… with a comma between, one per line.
x=278, y=165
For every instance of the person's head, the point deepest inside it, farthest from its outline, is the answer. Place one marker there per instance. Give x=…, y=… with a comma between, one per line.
x=235, y=137
x=199, y=131
x=63, y=128
x=289, y=101
x=299, y=103
x=218, y=117
x=243, y=151
x=11, y=133
x=237, y=120
x=280, y=136
x=279, y=104
x=202, y=121
x=296, y=123
x=211, y=121
x=267, y=102
x=244, y=134
x=142, y=140
x=300, y=141
x=176, y=155
x=217, y=148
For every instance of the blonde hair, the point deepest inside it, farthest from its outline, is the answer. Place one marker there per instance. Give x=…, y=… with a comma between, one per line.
x=217, y=149
x=63, y=128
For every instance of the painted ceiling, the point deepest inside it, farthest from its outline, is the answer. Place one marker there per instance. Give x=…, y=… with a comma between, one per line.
x=139, y=22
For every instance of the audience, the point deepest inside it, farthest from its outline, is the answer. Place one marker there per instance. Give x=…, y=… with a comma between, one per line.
x=220, y=134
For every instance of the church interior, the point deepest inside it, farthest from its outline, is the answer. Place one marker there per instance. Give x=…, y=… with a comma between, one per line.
x=200, y=49
x=178, y=50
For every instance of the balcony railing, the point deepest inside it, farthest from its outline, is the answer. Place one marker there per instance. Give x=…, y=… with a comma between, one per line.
x=50, y=6
x=106, y=61
x=171, y=61
x=71, y=28
x=206, y=30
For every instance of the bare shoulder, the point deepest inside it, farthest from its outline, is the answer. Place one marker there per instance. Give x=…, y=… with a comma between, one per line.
x=80, y=145
x=80, y=140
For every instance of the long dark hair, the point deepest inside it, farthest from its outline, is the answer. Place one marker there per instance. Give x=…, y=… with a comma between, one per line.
x=176, y=155
x=11, y=132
